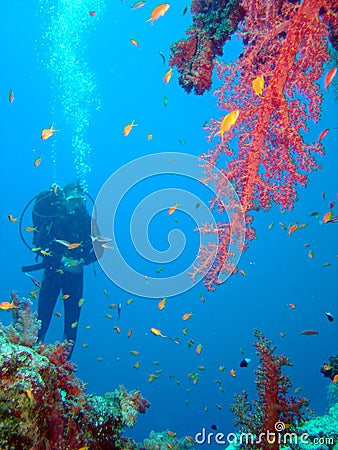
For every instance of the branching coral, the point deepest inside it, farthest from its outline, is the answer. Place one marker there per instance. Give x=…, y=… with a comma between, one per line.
x=261, y=418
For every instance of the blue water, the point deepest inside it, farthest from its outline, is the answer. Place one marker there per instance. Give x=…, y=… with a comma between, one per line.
x=83, y=74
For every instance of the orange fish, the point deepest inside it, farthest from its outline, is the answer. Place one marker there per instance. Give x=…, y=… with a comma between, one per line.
x=327, y=216
x=149, y=136
x=310, y=254
x=242, y=272
x=157, y=332
x=117, y=329
x=292, y=305
x=137, y=365
x=130, y=332
x=134, y=352
x=167, y=75
x=127, y=128
x=30, y=229
x=228, y=121
x=171, y=433
x=292, y=229
x=329, y=77
x=12, y=219
x=107, y=247
x=162, y=303
x=187, y=316
x=258, y=85
x=172, y=209
x=152, y=377
x=65, y=296
x=158, y=11
x=335, y=379
x=233, y=373
x=323, y=134
x=132, y=41
x=5, y=306
x=75, y=245
x=46, y=133
x=198, y=349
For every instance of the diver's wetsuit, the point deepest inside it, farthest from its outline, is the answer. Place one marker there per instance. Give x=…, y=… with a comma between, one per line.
x=72, y=227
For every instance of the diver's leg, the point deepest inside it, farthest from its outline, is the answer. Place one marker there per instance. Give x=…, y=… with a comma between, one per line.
x=73, y=286
x=48, y=294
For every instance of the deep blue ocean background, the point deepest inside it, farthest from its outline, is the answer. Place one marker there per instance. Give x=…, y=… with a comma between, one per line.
x=91, y=88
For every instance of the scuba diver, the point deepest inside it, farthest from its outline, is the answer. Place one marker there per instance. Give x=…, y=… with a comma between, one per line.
x=62, y=236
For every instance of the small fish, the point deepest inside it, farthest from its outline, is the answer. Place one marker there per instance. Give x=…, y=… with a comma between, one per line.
x=46, y=133
x=37, y=162
x=323, y=134
x=258, y=85
x=165, y=101
x=291, y=305
x=171, y=433
x=12, y=219
x=117, y=329
x=172, y=209
x=33, y=293
x=5, y=306
x=127, y=128
x=309, y=333
x=199, y=349
x=244, y=362
x=159, y=269
x=167, y=75
x=242, y=272
x=57, y=314
x=92, y=13
x=109, y=316
x=11, y=96
x=74, y=245
x=129, y=301
x=106, y=292
x=65, y=296
x=228, y=121
x=175, y=339
x=134, y=42
x=34, y=280
x=137, y=5
x=335, y=379
x=233, y=373
x=282, y=334
x=158, y=12
x=329, y=316
x=80, y=302
x=162, y=56
x=130, y=332
x=184, y=11
x=187, y=316
x=310, y=254
x=137, y=365
x=45, y=252
x=74, y=324
x=134, y=352
x=149, y=136
x=157, y=332
x=292, y=229
x=152, y=377
x=107, y=247
x=30, y=229
x=214, y=427
x=119, y=307
x=329, y=77
x=185, y=331
x=162, y=304
x=181, y=142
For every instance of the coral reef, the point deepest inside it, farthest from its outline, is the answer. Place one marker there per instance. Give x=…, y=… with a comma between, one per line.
x=264, y=153
x=330, y=369
x=261, y=418
x=165, y=440
x=213, y=23
x=43, y=404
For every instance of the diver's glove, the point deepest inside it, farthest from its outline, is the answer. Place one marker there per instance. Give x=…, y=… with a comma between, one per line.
x=72, y=265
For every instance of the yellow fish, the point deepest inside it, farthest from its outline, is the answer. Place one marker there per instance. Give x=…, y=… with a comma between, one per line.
x=258, y=85
x=228, y=121
x=46, y=133
x=127, y=128
x=157, y=332
x=5, y=306
x=162, y=303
